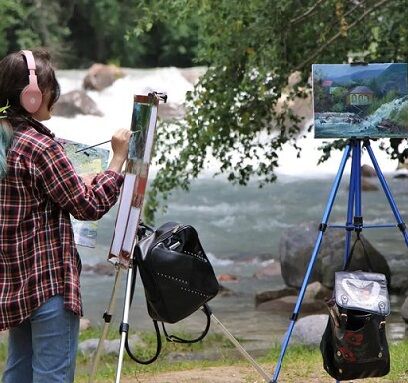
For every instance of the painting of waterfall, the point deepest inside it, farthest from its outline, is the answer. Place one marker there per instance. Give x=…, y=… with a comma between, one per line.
x=360, y=100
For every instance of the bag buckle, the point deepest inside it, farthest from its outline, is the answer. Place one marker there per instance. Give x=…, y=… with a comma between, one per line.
x=174, y=231
x=382, y=324
x=175, y=245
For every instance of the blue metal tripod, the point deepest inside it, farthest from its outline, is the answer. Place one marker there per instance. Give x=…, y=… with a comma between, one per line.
x=354, y=223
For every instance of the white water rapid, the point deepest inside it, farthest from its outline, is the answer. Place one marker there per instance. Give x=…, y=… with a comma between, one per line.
x=116, y=104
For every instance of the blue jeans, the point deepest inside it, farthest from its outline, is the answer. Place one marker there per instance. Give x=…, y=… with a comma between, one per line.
x=43, y=348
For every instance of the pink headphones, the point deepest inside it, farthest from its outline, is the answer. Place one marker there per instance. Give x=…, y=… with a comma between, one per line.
x=31, y=96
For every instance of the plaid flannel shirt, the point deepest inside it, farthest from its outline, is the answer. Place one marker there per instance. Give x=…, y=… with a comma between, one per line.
x=38, y=256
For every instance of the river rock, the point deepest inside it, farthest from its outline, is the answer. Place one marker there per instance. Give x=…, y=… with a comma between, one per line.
x=224, y=291
x=88, y=346
x=171, y=111
x=99, y=269
x=309, y=329
x=401, y=175
x=317, y=291
x=227, y=278
x=367, y=185
x=101, y=76
x=296, y=246
x=368, y=171
x=287, y=304
x=192, y=74
x=270, y=295
x=399, y=270
x=75, y=102
x=84, y=324
x=271, y=270
x=404, y=310
x=4, y=336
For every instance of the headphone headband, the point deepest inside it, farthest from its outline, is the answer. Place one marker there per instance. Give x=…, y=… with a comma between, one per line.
x=31, y=95
x=29, y=59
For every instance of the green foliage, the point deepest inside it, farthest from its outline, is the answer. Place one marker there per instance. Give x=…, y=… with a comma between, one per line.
x=25, y=24
x=104, y=31
x=3, y=110
x=80, y=32
x=240, y=111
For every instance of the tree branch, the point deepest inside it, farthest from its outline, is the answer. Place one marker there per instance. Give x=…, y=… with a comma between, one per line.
x=337, y=35
x=334, y=23
x=306, y=14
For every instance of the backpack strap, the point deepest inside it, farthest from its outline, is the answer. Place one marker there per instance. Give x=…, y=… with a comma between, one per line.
x=350, y=256
x=156, y=326
x=175, y=339
x=158, y=347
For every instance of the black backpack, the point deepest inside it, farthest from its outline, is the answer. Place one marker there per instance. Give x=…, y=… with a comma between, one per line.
x=178, y=279
x=354, y=344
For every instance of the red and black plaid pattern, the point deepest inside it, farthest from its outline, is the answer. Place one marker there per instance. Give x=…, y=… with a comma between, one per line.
x=38, y=256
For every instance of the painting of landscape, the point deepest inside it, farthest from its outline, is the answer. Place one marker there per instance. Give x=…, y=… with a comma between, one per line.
x=360, y=100
x=87, y=164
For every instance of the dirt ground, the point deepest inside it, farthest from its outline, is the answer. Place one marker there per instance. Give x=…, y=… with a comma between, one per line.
x=202, y=375
x=233, y=374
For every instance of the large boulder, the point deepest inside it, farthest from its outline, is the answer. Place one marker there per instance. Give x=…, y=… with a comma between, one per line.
x=287, y=304
x=271, y=270
x=270, y=295
x=192, y=74
x=367, y=185
x=368, y=171
x=309, y=329
x=404, y=310
x=101, y=76
x=75, y=102
x=170, y=111
x=296, y=247
x=88, y=347
x=399, y=270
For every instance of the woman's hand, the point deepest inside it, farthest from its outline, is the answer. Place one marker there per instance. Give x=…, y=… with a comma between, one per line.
x=120, y=148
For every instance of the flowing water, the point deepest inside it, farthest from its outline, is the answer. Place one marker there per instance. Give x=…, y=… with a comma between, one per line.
x=240, y=227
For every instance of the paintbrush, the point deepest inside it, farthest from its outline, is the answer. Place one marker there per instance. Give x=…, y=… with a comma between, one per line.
x=101, y=143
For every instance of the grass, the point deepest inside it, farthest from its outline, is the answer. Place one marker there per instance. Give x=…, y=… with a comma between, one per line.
x=108, y=363
x=301, y=363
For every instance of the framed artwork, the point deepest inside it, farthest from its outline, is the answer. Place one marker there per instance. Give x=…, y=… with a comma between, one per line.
x=87, y=163
x=360, y=101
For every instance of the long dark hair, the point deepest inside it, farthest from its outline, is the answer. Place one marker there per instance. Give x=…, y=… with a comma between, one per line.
x=13, y=79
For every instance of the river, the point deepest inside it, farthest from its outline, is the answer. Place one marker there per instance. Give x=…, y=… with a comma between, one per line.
x=240, y=227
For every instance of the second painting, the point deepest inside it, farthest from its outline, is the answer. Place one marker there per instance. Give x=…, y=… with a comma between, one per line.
x=360, y=100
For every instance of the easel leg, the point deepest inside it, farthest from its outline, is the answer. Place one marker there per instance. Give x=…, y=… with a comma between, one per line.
x=387, y=191
x=243, y=352
x=355, y=168
x=312, y=261
x=124, y=326
x=107, y=317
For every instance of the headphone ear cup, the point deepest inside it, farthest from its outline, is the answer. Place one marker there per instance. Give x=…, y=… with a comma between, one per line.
x=31, y=98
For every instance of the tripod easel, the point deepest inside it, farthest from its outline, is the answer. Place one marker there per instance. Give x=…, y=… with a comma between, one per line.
x=354, y=223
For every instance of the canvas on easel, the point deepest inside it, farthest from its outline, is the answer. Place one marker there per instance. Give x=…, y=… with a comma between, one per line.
x=369, y=100
x=144, y=118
